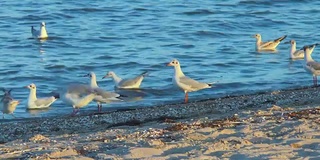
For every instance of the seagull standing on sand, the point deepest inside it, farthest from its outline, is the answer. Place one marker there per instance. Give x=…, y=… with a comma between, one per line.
x=42, y=33
x=38, y=103
x=133, y=83
x=77, y=95
x=185, y=83
x=7, y=104
x=311, y=66
x=269, y=45
x=102, y=96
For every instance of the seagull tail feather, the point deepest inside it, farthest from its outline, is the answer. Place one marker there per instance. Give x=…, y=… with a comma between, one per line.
x=281, y=38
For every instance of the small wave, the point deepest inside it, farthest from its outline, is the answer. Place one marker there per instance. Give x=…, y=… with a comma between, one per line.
x=61, y=66
x=254, y=2
x=84, y=10
x=199, y=12
x=209, y=33
x=140, y=9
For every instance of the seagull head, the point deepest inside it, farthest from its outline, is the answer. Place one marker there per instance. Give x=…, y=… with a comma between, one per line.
x=31, y=86
x=43, y=24
x=257, y=36
x=91, y=75
x=109, y=74
x=292, y=42
x=174, y=62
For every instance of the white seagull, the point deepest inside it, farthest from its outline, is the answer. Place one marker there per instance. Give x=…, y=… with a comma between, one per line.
x=311, y=66
x=102, y=96
x=133, y=83
x=38, y=103
x=77, y=95
x=42, y=33
x=7, y=104
x=269, y=45
x=185, y=83
x=297, y=54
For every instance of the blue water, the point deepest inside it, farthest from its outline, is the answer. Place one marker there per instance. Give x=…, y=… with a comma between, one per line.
x=211, y=39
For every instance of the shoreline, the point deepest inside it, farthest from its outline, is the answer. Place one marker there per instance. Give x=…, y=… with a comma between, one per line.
x=182, y=117
x=226, y=105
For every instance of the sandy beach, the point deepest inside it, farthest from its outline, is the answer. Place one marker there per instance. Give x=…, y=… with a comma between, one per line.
x=271, y=125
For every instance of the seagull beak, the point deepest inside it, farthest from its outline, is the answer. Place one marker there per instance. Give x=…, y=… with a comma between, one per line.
x=86, y=75
x=253, y=36
x=169, y=64
x=26, y=87
x=105, y=76
x=286, y=42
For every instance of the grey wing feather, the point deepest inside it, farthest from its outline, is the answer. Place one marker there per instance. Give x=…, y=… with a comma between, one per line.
x=193, y=83
x=298, y=53
x=44, y=101
x=105, y=94
x=79, y=89
x=314, y=65
x=129, y=82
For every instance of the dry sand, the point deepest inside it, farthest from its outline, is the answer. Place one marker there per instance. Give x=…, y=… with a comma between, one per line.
x=288, y=131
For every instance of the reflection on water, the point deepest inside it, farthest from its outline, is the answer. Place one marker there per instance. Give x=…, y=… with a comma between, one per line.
x=37, y=112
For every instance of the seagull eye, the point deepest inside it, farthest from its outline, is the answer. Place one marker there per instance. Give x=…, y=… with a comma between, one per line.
x=176, y=62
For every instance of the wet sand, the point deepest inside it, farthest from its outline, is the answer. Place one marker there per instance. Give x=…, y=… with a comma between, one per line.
x=270, y=125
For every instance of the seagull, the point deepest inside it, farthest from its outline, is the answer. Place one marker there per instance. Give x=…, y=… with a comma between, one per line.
x=311, y=66
x=269, y=45
x=102, y=96
x=38, y=103
x=297, y=54
x=42, y=34
x=77, y=95
x=8, y=104
x=185, y=83
x=133, y=83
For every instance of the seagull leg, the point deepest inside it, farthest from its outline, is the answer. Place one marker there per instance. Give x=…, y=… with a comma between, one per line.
x=316, y=80
x=186, y=97
x=99, y=107
x=75, y=111
x=2, y=115
x=13, y=115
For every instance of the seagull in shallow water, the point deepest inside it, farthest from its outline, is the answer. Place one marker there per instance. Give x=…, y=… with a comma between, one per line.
x=77, y=95
x=133, y=83
x=297, y=54
x=311, y=66
x=269, y=45
x=7, y=104
x=102, y=96
x=38, y=103
x=185, y=83
x=42, y=33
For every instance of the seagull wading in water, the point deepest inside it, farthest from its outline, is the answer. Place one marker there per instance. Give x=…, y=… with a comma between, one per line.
x=7, y=104
x=102, y=96
x=311, y=66
x=297, y=54
x=269, y=45
x=133, y=83
x=38, y=103
x=42, y=33
x=185, y=83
